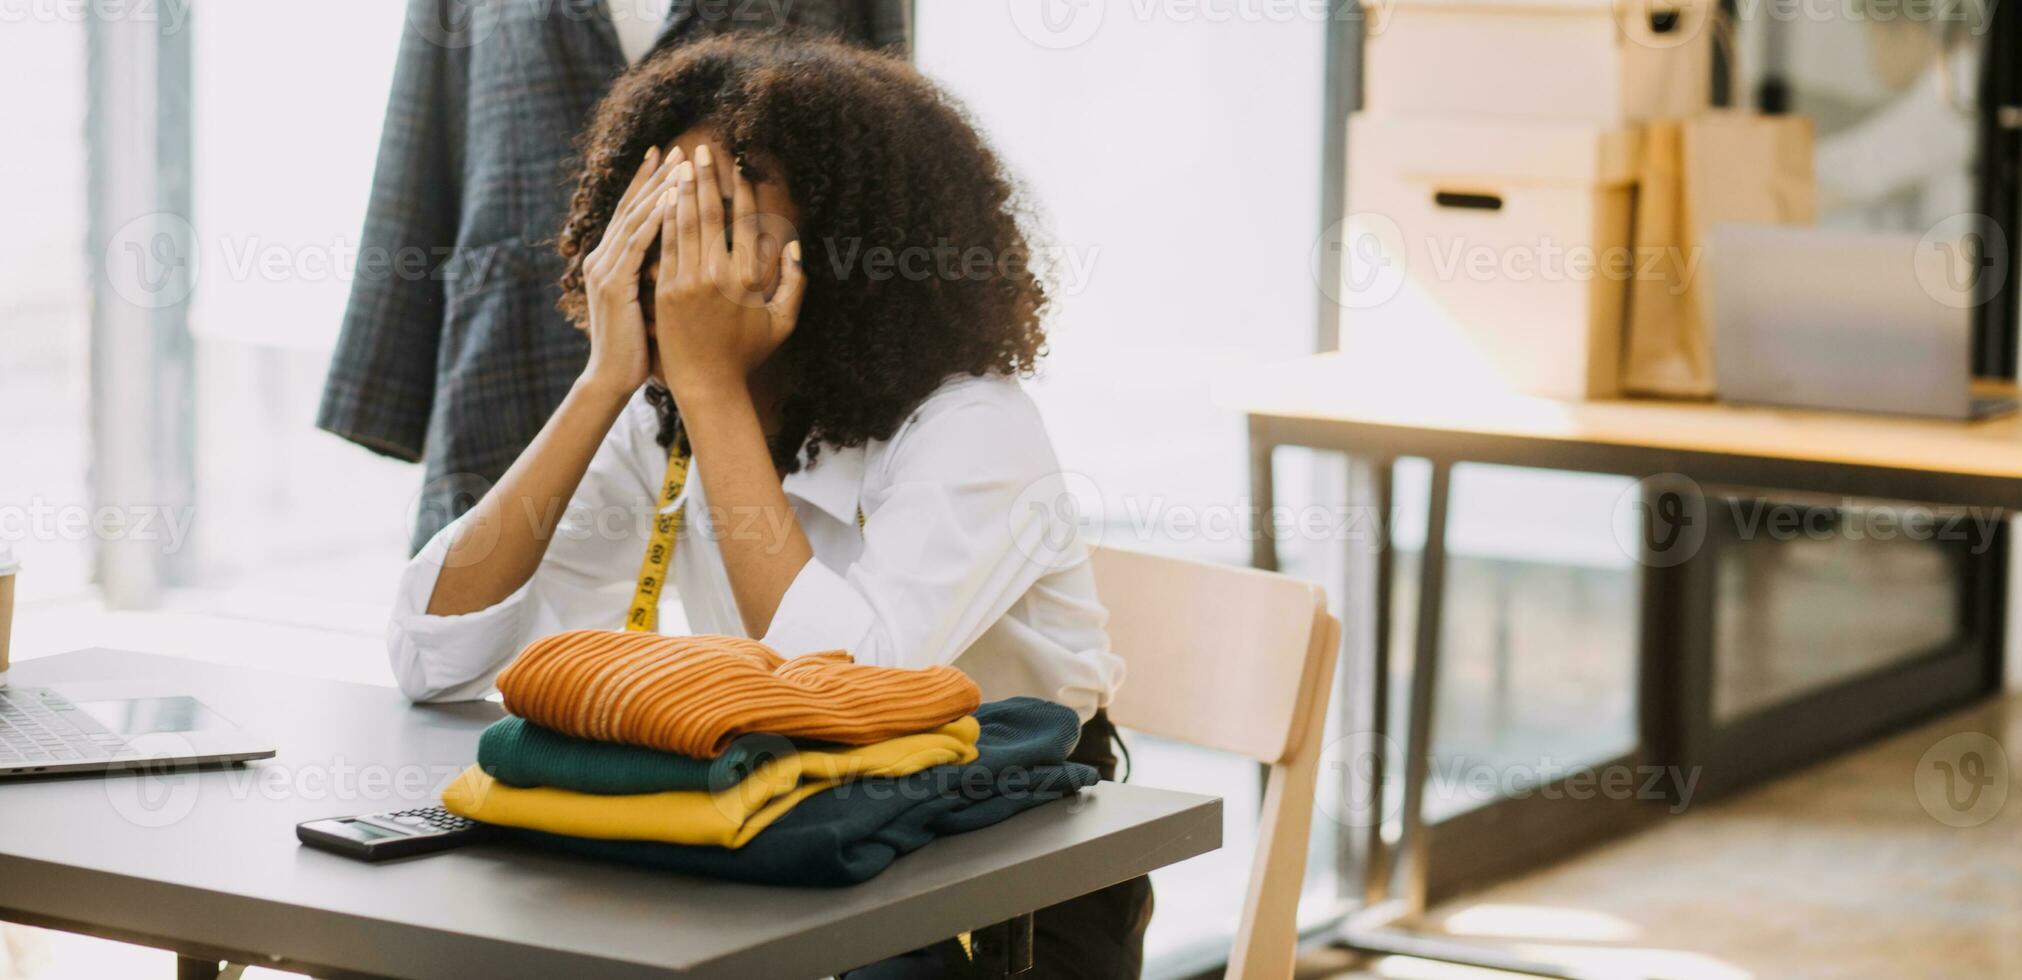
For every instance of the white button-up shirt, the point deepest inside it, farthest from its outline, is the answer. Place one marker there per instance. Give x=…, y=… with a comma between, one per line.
x=965, y=557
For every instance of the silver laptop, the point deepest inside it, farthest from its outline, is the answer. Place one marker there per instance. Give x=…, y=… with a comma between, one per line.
x=93, y=728
x=1845, y=320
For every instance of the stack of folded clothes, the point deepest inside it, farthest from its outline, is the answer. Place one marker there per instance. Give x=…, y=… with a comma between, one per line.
x=713, y=755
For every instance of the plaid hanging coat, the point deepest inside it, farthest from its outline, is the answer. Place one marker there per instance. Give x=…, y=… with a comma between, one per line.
x=452, y=352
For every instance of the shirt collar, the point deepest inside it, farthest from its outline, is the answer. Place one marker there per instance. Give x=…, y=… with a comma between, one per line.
x=832, y=484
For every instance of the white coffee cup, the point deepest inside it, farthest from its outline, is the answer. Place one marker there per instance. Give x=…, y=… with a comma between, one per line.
x=9, y=566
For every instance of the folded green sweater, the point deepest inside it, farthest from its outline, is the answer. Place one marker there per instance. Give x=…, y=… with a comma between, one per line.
x=518, y=752
x=852, y=832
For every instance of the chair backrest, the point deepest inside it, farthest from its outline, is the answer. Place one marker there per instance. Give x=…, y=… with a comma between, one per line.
x=1242, y=661
x=1216, y=656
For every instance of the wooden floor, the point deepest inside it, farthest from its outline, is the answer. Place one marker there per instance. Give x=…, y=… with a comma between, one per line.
x=1848, y=869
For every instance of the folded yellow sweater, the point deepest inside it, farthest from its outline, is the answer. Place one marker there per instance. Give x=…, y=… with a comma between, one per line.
x=693, y=694
x=727, y=818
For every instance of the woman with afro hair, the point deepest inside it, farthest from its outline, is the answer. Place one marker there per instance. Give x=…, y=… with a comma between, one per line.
x=809, y=299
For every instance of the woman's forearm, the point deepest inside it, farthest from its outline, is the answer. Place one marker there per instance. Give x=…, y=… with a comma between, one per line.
x=762, y=543
x=499, y=544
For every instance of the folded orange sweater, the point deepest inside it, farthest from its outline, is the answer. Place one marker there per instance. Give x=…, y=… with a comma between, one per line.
x=693, y=694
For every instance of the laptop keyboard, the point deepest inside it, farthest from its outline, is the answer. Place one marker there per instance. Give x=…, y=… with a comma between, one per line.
x=30, y=732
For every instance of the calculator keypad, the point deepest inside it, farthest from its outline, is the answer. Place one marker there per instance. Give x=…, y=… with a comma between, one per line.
x=432, y=819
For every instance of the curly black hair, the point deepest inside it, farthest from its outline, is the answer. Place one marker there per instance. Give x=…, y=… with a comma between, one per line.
x=915, y=250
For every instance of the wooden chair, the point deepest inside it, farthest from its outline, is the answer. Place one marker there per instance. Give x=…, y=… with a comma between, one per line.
x=1241, y=661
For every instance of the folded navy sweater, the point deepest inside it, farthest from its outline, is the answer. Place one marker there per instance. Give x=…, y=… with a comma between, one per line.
x=851, y=833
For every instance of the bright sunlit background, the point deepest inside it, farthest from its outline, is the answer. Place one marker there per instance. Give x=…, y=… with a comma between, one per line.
x=1176, y=163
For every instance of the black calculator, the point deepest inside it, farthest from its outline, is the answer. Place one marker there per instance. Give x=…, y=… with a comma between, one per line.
x=401, y=833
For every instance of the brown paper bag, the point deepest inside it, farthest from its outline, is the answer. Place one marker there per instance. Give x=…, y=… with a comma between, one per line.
x=1698, y=172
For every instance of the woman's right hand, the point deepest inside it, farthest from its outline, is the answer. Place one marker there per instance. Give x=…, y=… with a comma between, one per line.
x=618, y=359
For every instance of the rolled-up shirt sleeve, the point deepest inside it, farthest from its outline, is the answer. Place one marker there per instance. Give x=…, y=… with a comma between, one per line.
x=962, y=522
x=582, y=582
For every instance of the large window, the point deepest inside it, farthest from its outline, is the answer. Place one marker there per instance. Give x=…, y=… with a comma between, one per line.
x=44, y=307
x=286, y=552
x=1173, y=153
x=1539, y=636
x=288, y=99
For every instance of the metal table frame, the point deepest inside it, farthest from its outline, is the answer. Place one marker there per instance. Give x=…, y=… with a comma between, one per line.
x=1382, y=926
x=1002, y=950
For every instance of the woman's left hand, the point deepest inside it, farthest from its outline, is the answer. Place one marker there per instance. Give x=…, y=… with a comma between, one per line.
x=720, y=307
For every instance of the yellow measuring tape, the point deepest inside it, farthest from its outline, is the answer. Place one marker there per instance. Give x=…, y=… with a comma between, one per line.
x=644, y=616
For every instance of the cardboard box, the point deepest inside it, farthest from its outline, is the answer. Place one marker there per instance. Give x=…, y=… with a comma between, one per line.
x=1596, y=61
x=1495, y=255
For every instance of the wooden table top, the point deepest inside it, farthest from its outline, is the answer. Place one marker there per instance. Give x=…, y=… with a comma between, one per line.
x=1337, y=388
